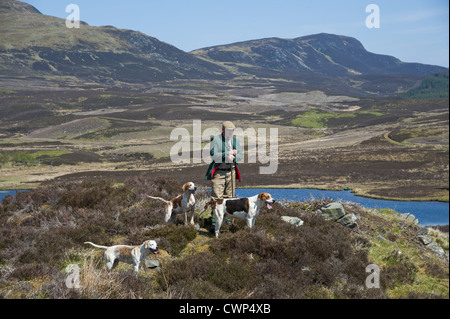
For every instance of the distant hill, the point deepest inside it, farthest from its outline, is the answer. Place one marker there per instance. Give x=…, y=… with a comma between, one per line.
x=433, y=86
x=36, y=47
x=321, y=54
x=33, y=44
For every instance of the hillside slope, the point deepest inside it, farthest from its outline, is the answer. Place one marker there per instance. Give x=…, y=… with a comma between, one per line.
x=43, y=233
x=35, y=47
x=320, y=54
x=33, y=44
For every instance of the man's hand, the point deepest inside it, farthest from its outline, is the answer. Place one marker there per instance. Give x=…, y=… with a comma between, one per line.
x=231, y=156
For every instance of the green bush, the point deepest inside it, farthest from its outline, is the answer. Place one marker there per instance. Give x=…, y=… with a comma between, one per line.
x=23, y=158
x=399, y=270
x=5, y=158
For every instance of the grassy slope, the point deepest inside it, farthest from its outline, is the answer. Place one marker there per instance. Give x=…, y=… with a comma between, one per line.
x=41, y=46
x=43, y=232
x=53, y=33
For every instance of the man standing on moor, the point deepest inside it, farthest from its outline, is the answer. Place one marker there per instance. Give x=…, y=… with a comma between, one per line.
x=225, y=151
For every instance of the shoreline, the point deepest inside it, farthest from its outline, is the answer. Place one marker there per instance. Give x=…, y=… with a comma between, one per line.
x=304, y=199
x=356, y=193
x=35, y=185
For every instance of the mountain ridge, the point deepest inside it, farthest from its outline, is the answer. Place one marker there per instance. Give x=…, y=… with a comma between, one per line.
x=43, y=47
x=322, y=53
x=103, y=54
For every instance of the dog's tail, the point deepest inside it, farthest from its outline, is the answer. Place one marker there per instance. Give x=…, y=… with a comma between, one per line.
x=97, y=246
x=212, y=203
x=159, y=198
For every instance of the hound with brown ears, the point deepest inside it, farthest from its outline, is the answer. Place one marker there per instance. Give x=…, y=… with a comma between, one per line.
x=130, y=254
x=242, y=208
x=180, y=204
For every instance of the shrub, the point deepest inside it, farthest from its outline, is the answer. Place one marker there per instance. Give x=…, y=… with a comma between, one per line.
x=437, y=271
x=399, y=270
x=86, y=194
x=255, y=263
x=160, y=186
x=31, y=271
x=23, y=158
x=171, y=237
x=233, y=277
x=4, y=158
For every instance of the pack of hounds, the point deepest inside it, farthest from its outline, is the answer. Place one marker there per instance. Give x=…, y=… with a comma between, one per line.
x=246, y=208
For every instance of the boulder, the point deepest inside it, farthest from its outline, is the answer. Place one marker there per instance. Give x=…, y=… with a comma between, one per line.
x=332, y=211
x=292, y=220
x=428, y=242
x=410, y=217
x=436, y=248
x=151, y=263
x=348, y=220
x=424, y=239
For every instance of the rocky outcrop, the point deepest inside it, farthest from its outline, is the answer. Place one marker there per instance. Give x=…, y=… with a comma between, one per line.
x=409, y=217
x=332, y=211
x=349, y=220
x=428, y=242
x=335, y=212
x=292, y=220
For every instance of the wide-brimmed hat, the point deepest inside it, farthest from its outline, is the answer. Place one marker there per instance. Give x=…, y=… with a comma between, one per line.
x=228, y=125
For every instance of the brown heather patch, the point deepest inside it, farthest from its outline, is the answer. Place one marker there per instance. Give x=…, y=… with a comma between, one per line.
x=43, y=231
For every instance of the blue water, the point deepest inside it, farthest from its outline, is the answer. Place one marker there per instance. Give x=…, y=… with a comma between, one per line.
x=428, y=213
x=3, y=194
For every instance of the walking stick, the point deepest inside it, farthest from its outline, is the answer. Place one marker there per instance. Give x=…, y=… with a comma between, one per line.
x=233, y=181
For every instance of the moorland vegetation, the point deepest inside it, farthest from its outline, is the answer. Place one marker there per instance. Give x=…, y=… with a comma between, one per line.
x=42, y=233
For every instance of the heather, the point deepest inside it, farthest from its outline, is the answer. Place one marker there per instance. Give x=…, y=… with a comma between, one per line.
x=42, y=233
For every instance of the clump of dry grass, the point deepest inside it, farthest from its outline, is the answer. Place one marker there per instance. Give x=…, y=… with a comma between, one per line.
x=96, y=282
x=440, y=237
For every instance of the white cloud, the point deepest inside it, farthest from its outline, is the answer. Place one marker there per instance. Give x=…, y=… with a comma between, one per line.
x=413, y=16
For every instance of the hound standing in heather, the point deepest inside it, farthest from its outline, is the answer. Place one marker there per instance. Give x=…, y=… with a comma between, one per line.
x=130, y=254
x=242, y=208
x=180, y=204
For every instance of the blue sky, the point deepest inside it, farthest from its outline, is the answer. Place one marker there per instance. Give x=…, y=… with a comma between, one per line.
x=411, y=30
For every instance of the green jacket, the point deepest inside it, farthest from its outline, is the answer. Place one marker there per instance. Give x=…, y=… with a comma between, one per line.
x=217, y=151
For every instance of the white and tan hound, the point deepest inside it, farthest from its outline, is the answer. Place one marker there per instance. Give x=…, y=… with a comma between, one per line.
x=242, y=208
x=180, y=204
x=134, y=255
